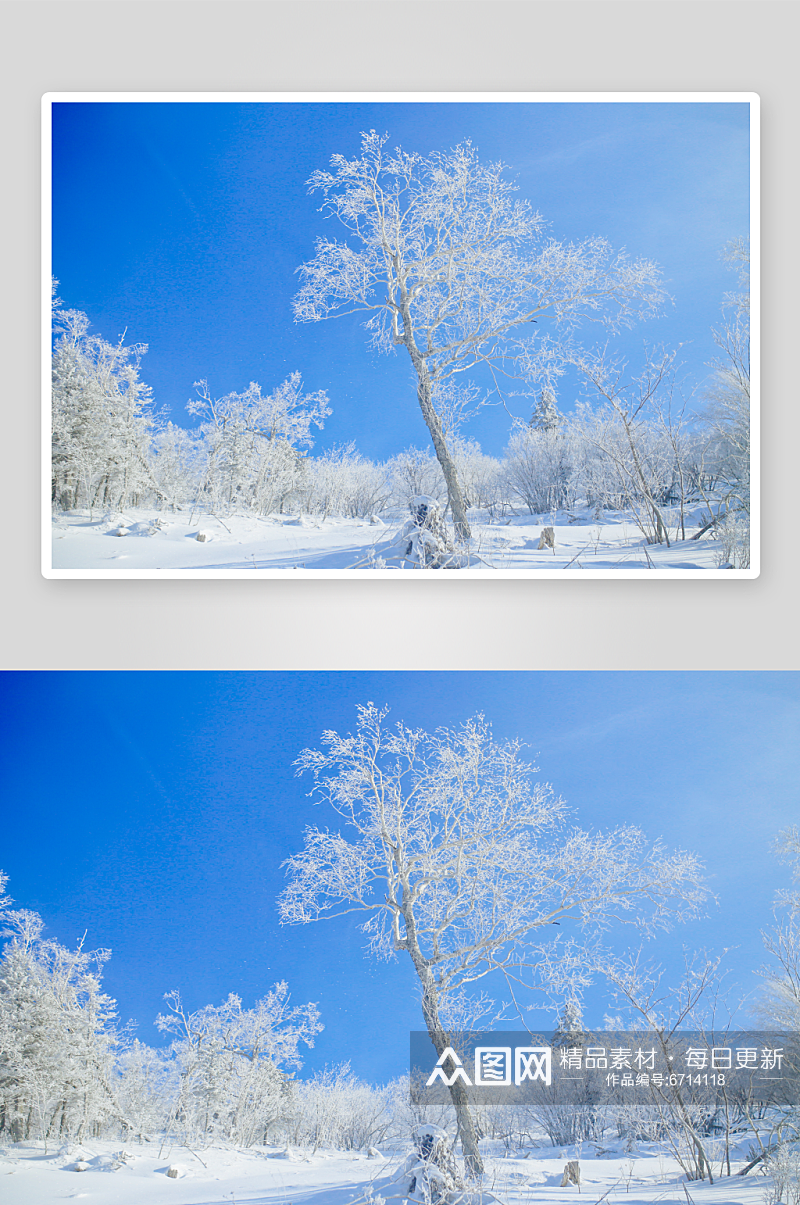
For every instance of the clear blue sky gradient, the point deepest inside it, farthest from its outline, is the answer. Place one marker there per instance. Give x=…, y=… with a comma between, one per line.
x=153, y=810
x=184, y=223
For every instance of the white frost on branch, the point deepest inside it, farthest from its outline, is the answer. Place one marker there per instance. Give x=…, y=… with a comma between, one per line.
x=455, y=853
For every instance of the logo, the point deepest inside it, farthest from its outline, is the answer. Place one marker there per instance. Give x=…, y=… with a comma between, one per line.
x=493, y=1067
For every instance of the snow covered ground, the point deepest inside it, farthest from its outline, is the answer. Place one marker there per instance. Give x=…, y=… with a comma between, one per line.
x=150, y=543
x=137, y=1175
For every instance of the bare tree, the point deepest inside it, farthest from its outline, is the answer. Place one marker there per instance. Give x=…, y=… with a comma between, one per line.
x=778, y=1006
x=460, y=861
x=727, y=417
x=643, y=459
x=779, y=1002
x=664, y=1011
x=449, y=266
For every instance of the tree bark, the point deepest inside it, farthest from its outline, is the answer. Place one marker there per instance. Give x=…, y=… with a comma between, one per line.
x=441, y=1040
x=433, y=422
x=454, y=494
x=458, y=1093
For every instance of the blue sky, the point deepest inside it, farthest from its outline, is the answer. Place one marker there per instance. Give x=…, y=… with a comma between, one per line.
x=153, y=810
x=183, y=224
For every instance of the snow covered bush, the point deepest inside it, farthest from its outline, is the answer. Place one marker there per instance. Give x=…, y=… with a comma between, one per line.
x=176, y=465
x=148, y=1082
x=424, y=541
x=538, y=469
x=625, y=463
x=480, y=475
x=415, y=472
x=726, y=419
x=336, y=1109
x=733, y=530
x=432, y=1169
x=783, y=1168
x=342, y=482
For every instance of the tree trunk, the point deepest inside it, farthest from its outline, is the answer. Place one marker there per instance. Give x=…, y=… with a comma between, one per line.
x=433, y=422
x=441, y=1040
x=458, y=1093
x=454, y=495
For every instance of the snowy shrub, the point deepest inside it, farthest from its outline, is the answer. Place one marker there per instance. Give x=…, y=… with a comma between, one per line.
x=415, y=472
x=480, y=475
x=734, y=533
x=252, y=447
x=335, y=1109
x=567, y=1124
x=342, y=482
x=176, y=465
x=538, y=469
x=424, y=541
x=147, y=1084
x=783, y=1168
x=432, y=1168
x=626, y=463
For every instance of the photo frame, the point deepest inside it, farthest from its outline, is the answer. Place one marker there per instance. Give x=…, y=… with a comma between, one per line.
x=582, y=447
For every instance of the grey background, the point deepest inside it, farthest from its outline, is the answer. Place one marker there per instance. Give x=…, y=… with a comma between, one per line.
x=411, y=45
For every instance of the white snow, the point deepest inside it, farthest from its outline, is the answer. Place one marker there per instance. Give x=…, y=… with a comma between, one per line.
x=197, y=544
x=138, y=1175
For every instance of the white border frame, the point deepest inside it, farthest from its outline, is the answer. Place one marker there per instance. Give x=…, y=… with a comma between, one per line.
x=482, y=574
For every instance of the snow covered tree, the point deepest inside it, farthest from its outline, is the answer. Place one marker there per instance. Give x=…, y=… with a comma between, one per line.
x=177, y=464
x=727, y=416
x=231, y=1059
x=640, y=451
x=415, y=471
x=479, y=474
x=538, y=468
x=779, y=1002
x=694, y=1002
x=546, y=415
x=342, y=482
x=147, y=1085
x=335, y=1109
x=101, y=418
x=449, y=266
x=462, y=863
x=57, y=1036
x=252, y=444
